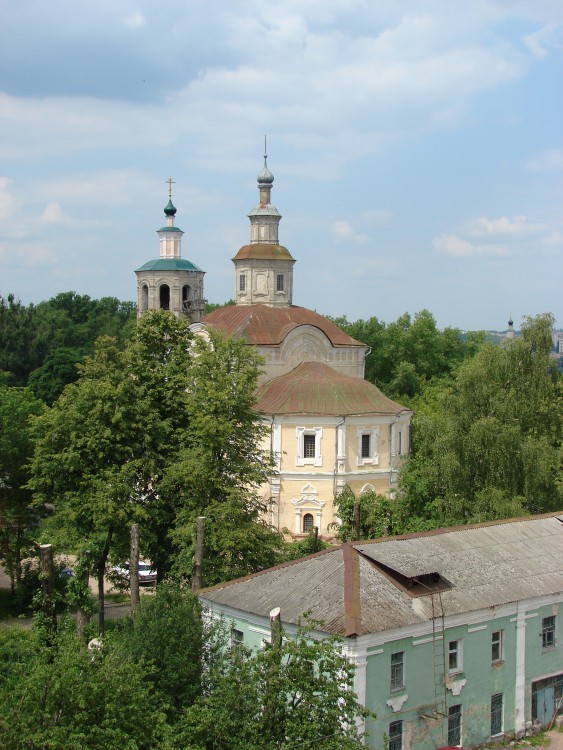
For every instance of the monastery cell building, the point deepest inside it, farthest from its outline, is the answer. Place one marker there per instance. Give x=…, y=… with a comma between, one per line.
x=329, y=427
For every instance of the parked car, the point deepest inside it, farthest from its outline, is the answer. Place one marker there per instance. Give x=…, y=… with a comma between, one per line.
x=146, y=572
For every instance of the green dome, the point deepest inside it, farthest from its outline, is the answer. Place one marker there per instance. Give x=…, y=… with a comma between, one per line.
x=169, y=264
x=170, y=209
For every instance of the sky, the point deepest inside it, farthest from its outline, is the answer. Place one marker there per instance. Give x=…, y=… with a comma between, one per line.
x=417, y=148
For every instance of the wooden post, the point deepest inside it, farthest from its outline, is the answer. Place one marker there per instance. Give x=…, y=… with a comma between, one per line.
x=357, y=530
x=134, y=567
x=198, y=557
x=48, y=583
x=275, y=628
x=316, y=543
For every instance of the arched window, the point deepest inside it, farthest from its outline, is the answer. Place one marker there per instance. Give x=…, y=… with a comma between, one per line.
x=164, y=297
x=308, y=522
x=186, y=301
x=144, y=297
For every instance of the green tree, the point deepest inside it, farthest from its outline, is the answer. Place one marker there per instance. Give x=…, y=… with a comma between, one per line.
x=158, y=434
x=298, y=695
x=407, y=355
x=63, y=698
x=378, y=516
x=492, y=447
x=17, y=405
x=222, y=465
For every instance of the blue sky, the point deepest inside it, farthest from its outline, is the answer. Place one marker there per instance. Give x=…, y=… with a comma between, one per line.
x=417, y=148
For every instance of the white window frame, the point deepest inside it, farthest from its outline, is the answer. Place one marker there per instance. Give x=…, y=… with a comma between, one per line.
x=458, y=651
x=373, y=458
x=317, y=459
x=548, y=625
x=278, y=277
x=398, y=670
x=497, y=642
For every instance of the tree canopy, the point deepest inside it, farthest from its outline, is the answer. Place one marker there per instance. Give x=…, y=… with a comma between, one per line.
x=159, y=433
x=41, y=344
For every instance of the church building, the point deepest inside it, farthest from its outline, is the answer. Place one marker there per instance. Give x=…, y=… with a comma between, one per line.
x=330, y=428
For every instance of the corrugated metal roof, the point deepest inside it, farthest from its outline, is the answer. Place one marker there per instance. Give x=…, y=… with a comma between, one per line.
x=316, y=388
x=262, y=325
x=487, y=565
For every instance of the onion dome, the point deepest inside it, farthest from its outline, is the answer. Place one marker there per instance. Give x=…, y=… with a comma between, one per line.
x=265, y=177
x=170, y=209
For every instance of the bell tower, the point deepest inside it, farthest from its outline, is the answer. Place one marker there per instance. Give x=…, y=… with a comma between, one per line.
x=169, y=282
x=264, y=268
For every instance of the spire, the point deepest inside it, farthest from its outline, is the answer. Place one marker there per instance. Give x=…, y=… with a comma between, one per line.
x=264, y=218
x=510, y=331
x=170, y=236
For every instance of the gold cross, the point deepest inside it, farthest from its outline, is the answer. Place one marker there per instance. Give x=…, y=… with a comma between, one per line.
x=170, y=182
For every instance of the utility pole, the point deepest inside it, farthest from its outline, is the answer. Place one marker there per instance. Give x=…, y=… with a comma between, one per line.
x=198, y=557
x=134, y=567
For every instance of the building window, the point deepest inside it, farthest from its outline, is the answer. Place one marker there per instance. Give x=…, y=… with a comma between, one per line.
x=279, y=282
x=367, y=446
x=454, y=725
x=548, y=632
x=242, y=282
x=308, y=522
x=496, y=714
x=164, y=294
x=497, y=646
x=455, y=660
x=237, y=638
x=396, y=735
x=309, y=446
x=398, y=670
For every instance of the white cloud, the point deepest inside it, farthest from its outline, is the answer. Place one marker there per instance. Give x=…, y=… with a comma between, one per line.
x=52, y=214
x=546, y=161
x=343, y=230
x=515, y=226
x=450, y=244
x=548, y=37
x=7, y=203
x=135, y=20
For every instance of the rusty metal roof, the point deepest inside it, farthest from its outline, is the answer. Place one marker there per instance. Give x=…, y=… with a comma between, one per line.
x=262, y=325
x=487, y=565
x=316, y=388
x=264, y=251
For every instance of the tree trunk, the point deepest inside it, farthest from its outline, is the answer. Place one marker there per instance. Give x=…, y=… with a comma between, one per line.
x=82, y=616
x=357, y=528
x=134, y=567
x=102, y=560
x=198, y=557
x=48, y=584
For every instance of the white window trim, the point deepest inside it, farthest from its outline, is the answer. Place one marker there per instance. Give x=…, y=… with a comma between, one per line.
x=300, y=459
x=459, y=651
x=373, y=458
x=501, y=647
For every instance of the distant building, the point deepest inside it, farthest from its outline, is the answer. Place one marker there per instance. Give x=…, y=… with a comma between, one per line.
x=456, y=633
x=329, y=427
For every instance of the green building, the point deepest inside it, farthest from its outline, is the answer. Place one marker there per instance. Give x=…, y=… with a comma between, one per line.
x=455, y=633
